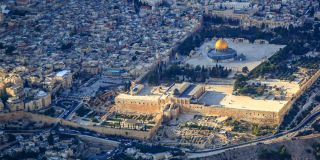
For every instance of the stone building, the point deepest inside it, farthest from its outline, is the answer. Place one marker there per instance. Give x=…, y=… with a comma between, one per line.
x=15, y=91
x=1, y=106
x=14, y=79
x=171, y=111
x=15, y=104
x=185, y=97
x=40, y=100
x=91, y=67
x=65, y=77
x=141, y=104
x=132, y=124
x=222, y=51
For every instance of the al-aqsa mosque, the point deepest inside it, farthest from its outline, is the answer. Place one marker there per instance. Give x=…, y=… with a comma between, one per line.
x=222, y=51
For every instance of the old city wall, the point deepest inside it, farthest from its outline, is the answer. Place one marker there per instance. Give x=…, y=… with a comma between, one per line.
x=102, y=130
x=93, y=141
x=137, y=106
x=247, y=115
x=28, y=116
x=305, y=86
x=154, y=129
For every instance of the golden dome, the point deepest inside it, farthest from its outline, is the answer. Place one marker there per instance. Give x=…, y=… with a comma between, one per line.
x=221, y=44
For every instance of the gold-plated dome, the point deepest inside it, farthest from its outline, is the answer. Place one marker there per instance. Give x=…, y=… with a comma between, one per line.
x=221, y=44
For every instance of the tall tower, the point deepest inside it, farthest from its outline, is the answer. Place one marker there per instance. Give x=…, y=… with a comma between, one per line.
x=206, y=5
x=1, y=18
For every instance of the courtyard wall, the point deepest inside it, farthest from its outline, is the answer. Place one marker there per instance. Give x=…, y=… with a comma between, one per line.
x=143, y=135
x=262, y=117
x=304, y=87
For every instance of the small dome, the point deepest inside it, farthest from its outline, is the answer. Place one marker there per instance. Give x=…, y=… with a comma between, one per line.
x=221, y=44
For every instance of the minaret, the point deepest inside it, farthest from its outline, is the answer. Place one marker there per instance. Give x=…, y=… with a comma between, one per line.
x=206, y=5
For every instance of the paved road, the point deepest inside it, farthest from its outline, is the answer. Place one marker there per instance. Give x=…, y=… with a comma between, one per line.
x=68, y=110
x=205, y=153
x=88, y=135
x=67, y=116
x=8, y=145
x=107, y=139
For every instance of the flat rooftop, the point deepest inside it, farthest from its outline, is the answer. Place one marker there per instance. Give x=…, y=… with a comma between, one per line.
x=185, y=94
x=62, y=73
x=221, y=96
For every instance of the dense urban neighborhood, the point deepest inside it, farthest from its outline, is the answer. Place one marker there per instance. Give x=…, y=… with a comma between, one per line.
x=159, y=79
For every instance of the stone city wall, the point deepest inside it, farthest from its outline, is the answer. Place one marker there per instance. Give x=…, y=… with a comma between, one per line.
x=146, y=107
x=93, y=141
x=305, y=86
x=102, y=130
x=154, y=129
x=241, y=114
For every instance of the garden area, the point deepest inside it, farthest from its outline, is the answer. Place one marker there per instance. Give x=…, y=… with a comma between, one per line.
x=280, y=154
x=179, y=73
x=129, y=121
x=82, y=111
x=252, y=128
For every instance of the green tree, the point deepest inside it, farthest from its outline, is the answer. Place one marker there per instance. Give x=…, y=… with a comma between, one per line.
x=317, y=98
x=50, y=139
x=256, y=130
x=245, y=69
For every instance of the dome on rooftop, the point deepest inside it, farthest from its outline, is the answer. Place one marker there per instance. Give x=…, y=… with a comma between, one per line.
x=221, y=45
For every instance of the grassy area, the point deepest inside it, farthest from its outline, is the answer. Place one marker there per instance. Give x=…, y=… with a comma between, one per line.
x=193, y=125
x=95, y=120
x=106, y=123
x=137, y=117
x=252, y=90
x=317, y=98
x=280, y=154
x=111, y=124
x=82, y=111
x=246, y=127
x=92, y=115
x=115, y=119
x=316, y=150
x=147, y=127
x=122, y=156
x=50, y=112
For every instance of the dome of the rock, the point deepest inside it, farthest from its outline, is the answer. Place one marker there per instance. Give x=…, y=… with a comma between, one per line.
x=221, y=44
x=221, y=51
